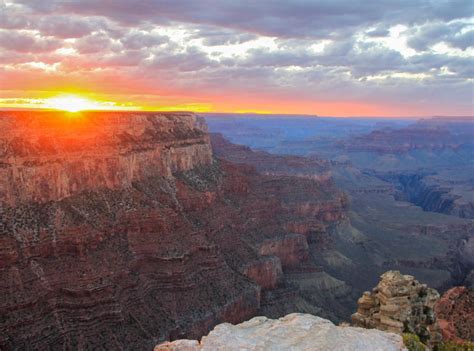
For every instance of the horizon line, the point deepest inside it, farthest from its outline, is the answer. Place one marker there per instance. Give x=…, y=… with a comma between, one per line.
x=20, y=109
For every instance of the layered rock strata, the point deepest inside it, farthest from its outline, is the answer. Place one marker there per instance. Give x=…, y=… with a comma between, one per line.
x=410, y=138
x=120, y=230
x=292, y=332
x=399, y=304
x=47, y=156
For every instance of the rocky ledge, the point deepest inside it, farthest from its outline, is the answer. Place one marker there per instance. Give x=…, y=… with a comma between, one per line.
x=399, y=304
x=293, y=332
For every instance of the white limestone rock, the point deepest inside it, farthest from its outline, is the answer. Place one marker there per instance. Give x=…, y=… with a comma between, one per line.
x=293, y=332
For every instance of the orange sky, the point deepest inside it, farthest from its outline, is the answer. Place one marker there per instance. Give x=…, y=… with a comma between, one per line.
x=291, y=58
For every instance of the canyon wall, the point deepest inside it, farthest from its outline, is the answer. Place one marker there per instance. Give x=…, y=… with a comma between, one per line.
x=432, y=195
x=47, y=156
x=120, y=230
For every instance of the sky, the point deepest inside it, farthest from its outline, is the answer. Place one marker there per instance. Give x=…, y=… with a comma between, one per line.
x=323, y=57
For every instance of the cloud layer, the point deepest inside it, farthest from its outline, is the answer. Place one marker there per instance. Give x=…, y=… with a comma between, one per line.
x=328, y=57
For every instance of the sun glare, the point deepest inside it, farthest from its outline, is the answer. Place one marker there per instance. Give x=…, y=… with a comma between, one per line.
x=72, y=103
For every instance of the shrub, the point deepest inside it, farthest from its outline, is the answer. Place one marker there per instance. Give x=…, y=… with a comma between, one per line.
x=413, y=343
x=453, y=346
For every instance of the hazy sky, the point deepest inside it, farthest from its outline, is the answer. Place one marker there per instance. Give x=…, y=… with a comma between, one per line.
x=330, y=57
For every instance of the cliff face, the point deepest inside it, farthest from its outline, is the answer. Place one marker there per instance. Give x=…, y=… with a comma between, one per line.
x=403, y=140
x=119, y=230
x=433, y=195
x=48, y=156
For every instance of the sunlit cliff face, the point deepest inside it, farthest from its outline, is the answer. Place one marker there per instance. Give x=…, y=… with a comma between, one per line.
x=284, y=56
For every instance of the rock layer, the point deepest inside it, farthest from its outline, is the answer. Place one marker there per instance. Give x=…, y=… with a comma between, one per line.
x=119, y=230
x=47, y=156
x=292, y=332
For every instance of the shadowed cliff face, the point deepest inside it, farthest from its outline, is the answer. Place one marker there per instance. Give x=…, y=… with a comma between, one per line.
x=435, y=194
x=119, y=230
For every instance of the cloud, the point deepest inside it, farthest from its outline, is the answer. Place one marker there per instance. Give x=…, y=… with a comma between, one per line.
x=26, y=42
x=297, y=18
x=140, y=40
x=378, y=32
x=192, y=59
x=67, y=26
x=456, y=35
x=407, y=51
x=95, y=43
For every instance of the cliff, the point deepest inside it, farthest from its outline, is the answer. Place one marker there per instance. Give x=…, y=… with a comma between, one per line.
x=47, y=156
x=120, y=230
x=292, y=332
x=435, y=194
x=413, y=137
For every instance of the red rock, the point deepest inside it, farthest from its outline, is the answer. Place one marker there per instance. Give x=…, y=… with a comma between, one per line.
x=266, y=272
x=119, y=230
x=455, y=314
x=292, y=249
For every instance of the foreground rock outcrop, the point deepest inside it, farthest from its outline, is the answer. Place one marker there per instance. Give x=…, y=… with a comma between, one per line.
x=292, y=332
x=399, y=304
x=455, y=314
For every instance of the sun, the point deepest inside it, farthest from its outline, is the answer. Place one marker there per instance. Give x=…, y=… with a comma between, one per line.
x=72, y=103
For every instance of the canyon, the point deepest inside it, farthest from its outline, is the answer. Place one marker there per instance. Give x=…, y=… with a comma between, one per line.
x=121, y=230
x=126, y=229
x=408, y=193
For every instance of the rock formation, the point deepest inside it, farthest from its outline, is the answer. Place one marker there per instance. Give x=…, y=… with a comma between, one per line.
x=414, y=137
x=398, y=304
x=120, y=230
x=455, y=314
x=292, y=332
x=50, y=156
